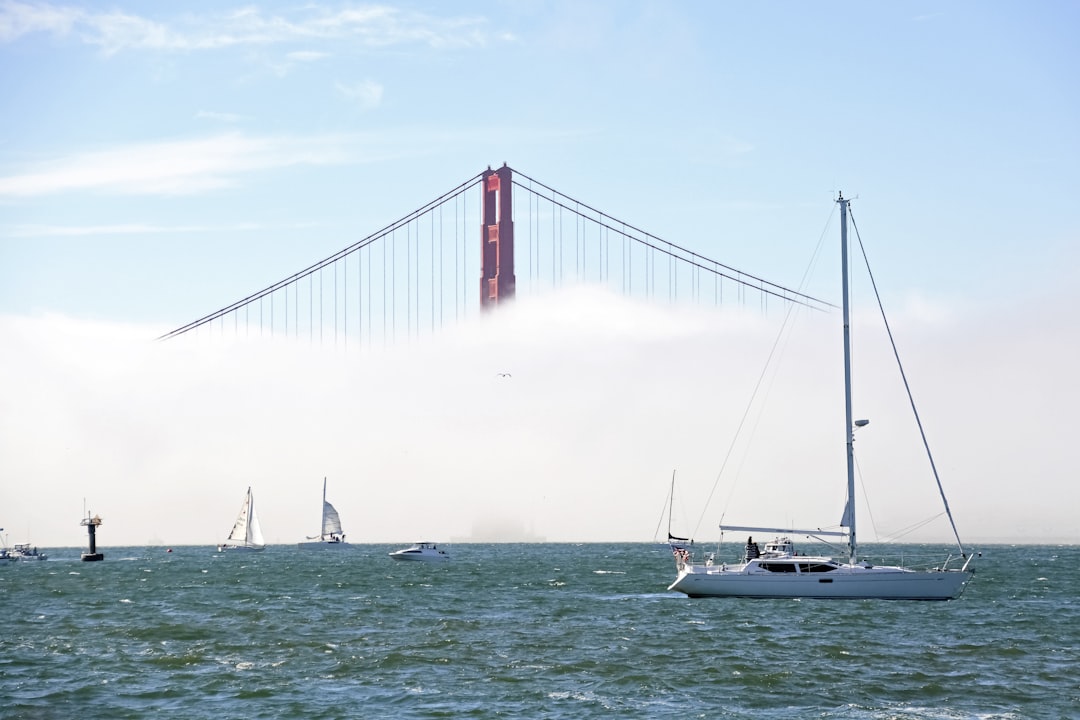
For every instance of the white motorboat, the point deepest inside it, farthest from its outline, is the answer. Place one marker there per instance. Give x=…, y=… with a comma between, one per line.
x=422, y=552
x=779, y=572
x=25, y=551
x=246, y=534
x=19, y=551
x=331, y=537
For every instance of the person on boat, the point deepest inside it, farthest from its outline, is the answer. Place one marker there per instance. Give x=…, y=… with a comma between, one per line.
x=752, y=550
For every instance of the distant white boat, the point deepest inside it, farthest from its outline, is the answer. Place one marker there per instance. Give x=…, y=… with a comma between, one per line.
x=246, y=534
x=331, y=536
x=25, y=551
x=422, y=552
x=19, y=551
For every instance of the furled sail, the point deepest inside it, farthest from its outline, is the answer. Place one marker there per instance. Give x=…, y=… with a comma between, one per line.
x=848, y=517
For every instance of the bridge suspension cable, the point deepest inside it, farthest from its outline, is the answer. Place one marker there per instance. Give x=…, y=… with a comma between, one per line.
x=675, y=253
x=388, y=230
x=430, y=257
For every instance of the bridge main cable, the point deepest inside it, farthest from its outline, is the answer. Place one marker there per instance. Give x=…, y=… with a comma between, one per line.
x=688, y=256
x=442, y=199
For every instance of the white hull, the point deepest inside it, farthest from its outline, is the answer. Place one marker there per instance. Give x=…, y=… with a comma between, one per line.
x=22, y=552
x=845, y=582
x=240, y=548
x=324, y=545
x=421, y=552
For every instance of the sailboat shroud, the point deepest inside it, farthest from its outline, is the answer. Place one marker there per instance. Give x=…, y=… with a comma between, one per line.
x=246, y=533
x=778, y=572
x=331, y=535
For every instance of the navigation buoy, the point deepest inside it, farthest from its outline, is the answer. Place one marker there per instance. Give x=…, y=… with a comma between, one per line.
x=91, y=524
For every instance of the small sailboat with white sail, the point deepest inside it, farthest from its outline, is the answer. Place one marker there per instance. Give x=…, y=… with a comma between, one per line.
x=246, y=535
x=331, y=537
x=779, y=571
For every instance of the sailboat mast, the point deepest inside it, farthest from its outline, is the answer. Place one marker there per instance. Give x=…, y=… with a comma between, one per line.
x=671, y=503
x=849, y=431
x=248, y=530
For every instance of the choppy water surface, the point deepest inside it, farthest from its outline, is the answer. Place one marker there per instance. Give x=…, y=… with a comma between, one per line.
x=521, y=631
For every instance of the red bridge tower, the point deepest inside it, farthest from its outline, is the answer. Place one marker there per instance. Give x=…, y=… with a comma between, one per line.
x=497, y=238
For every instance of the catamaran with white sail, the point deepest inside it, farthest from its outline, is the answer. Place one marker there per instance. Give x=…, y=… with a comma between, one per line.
x=780, y=572
x=246, y=533
x=331, y=536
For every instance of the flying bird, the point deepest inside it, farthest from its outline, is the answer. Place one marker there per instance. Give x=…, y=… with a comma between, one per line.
x=504, y=375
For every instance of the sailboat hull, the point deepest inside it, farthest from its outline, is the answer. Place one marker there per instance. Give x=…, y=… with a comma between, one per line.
x=846, y=582
x=324, y=545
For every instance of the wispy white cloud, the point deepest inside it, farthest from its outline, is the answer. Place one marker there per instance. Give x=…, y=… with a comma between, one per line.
x=219, y=116
x=176, y=167
x=115, y=31
x=367, y=93
x=18, y=19
x=199, y=165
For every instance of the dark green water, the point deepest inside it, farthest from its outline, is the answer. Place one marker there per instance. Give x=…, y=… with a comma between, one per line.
x=518, y=631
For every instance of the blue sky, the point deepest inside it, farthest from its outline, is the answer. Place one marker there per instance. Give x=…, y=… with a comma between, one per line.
x=160, y=161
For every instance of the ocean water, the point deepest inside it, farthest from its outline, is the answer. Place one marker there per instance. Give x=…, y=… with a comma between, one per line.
x=518, y=631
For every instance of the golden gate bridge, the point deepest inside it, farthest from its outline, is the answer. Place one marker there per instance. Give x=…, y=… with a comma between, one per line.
x=419, y=273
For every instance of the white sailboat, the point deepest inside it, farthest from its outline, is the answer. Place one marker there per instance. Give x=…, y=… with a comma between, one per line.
x=331, y=536
x=246, y=533
x=779, y=572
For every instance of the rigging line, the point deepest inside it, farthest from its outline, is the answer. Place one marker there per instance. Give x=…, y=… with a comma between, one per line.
x=742, y=422
x=383, y=245
x=907, y=389
x=904, y=532
x=782, y=334
x=393, y=288
x=408, y=281
x=361, y=288
x=663, y=512
x=442, y=270
x=433, y=274
x=644, y=233
x=865, y=495
x=370, y=326
x=344, y=302
x=335, y=307
x=457, y=291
